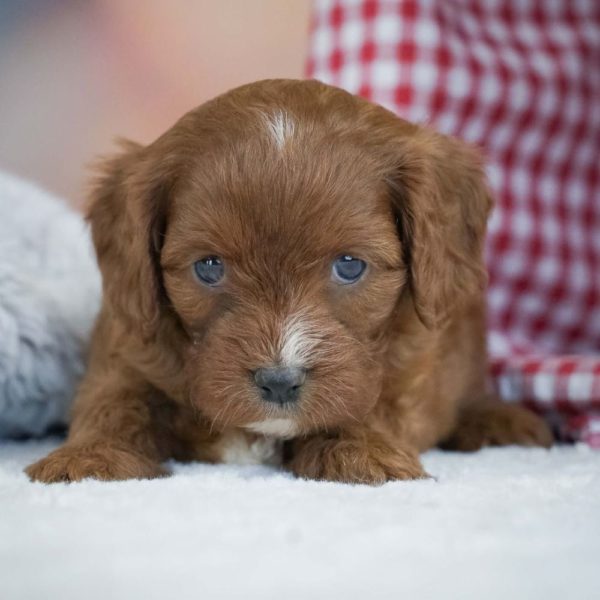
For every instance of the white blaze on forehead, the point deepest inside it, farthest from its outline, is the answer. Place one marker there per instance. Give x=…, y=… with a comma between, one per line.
x=297, y=343
x=281, y=428
x=281, y=127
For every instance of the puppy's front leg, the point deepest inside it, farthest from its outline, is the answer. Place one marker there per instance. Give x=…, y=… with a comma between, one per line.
x=493, y=423
x=357, y=455
x=115, y=435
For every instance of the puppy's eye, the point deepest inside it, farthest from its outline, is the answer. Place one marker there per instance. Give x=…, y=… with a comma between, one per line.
x=348, y=269
x=210, y=270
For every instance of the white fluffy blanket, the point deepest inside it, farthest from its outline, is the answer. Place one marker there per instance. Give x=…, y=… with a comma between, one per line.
x=505, y=523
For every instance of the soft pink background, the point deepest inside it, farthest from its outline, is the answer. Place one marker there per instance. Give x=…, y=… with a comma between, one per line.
x=76, y=74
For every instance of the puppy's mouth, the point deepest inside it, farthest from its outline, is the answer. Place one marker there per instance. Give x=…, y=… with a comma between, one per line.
x=283, y=428
x=313, y=377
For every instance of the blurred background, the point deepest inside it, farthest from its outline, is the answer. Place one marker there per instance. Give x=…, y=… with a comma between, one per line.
x=74, y=75
x=520, y=79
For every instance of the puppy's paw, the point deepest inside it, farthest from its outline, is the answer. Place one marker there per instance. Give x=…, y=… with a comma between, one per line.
x=349, y=460
x=74, y=463
x=499, y=425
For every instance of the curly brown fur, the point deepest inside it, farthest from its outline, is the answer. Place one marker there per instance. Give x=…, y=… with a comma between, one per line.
x=278, y=179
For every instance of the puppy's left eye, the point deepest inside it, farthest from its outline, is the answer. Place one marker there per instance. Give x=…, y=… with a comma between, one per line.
x=348, y=269
x=210, y=270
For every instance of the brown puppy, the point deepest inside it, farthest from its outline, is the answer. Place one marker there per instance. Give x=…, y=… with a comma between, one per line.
x=288, y=262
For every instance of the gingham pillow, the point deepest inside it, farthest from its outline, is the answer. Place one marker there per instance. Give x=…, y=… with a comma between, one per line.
x=521, y=79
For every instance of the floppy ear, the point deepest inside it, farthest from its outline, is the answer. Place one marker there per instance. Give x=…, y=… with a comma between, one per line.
x=128, y=218
x=442, y=203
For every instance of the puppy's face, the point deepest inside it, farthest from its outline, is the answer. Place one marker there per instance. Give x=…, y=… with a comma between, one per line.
x=275, y=227
x=284, y=271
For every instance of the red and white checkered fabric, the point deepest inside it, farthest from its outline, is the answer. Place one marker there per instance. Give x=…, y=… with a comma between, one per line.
x=521, y=79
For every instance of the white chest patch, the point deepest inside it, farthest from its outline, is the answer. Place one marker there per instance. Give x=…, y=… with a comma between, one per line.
x=241, y=448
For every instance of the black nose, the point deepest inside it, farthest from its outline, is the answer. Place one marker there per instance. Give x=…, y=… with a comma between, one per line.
x=280, y=384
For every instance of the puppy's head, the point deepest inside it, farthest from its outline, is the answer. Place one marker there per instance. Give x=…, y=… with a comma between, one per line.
x=277, y=228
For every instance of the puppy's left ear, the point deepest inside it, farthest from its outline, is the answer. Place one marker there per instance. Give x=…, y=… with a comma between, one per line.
x=442, y=202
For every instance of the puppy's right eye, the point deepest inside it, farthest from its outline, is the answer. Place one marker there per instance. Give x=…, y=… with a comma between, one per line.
x=209, y=270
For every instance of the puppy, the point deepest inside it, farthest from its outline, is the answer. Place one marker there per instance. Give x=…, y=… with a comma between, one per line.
x=291, y=274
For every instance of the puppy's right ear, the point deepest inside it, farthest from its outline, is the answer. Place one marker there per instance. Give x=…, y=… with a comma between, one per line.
x=128, y=219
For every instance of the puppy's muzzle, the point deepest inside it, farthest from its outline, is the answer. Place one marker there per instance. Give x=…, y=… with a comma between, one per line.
x=280, y=385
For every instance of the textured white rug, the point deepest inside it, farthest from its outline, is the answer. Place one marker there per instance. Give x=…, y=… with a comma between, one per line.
x=507, y=523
